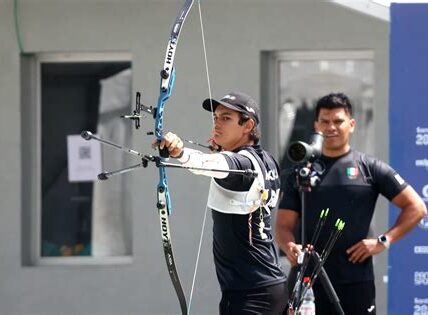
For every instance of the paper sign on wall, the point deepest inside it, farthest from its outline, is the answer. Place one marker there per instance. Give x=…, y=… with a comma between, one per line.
x=84, y=159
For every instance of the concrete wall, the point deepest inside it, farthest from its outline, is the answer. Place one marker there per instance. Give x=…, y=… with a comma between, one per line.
x=236, y=33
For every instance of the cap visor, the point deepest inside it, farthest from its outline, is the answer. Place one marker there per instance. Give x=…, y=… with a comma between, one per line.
x=211, y=104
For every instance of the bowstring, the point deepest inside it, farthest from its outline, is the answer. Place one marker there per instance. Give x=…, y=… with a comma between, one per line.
x=212, y=117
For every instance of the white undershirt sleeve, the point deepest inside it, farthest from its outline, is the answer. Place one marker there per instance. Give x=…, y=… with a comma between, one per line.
x=195, y=158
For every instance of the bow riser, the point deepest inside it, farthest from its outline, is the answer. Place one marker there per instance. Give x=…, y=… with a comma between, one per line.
x=164, y=199
x=163, y=98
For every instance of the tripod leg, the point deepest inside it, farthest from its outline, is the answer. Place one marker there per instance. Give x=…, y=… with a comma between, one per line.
x=328, y=287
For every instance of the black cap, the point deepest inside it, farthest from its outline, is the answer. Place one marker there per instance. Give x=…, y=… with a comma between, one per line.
x=237, y=101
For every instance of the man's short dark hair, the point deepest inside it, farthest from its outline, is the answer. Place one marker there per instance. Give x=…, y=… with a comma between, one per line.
x=255, y=133
x=333, y=101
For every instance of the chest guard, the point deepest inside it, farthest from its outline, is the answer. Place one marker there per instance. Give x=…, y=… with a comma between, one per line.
x=240, y=202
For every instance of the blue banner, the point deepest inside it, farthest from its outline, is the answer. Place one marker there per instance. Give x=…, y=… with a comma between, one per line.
x=408, y=121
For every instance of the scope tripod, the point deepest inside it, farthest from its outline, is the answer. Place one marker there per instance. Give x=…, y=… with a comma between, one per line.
x=307, y=178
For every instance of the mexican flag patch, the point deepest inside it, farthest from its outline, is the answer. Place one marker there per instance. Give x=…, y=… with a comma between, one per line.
x=352, y=172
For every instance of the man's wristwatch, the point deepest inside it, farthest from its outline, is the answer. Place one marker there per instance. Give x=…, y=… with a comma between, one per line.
x=384, y=240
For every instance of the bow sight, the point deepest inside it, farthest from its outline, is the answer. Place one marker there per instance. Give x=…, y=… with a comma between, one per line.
x=136, y=114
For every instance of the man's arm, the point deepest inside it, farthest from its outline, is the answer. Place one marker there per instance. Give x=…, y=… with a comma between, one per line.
x=286, y=222
x=194, y=158
x=413, y=209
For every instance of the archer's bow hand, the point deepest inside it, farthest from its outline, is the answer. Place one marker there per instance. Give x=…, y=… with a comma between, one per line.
x=173, y=143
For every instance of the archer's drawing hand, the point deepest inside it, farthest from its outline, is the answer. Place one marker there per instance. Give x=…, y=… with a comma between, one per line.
x=173, y=143
x=214, y=147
